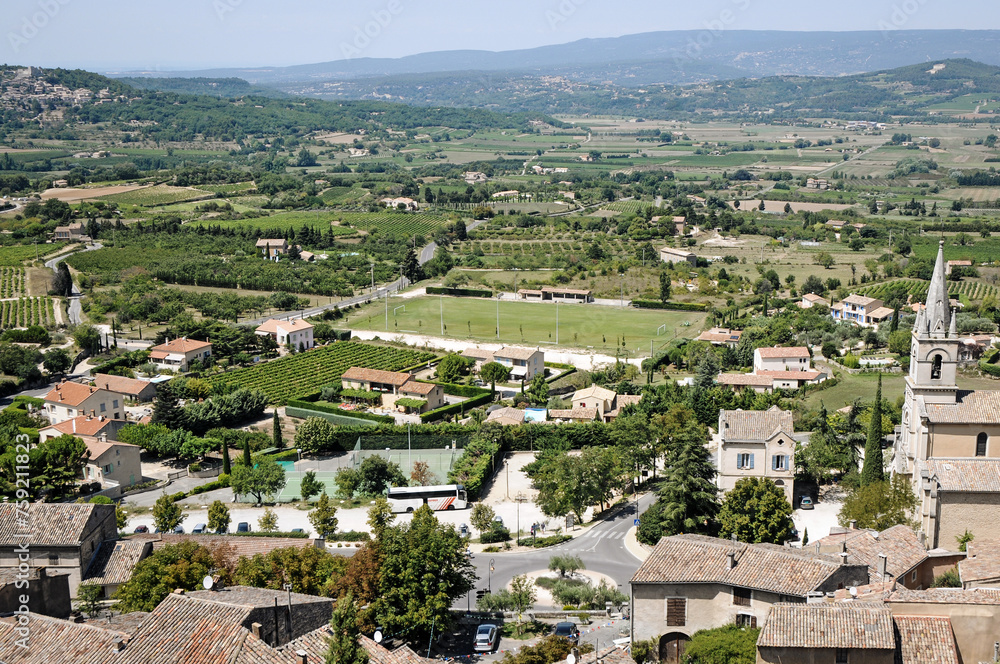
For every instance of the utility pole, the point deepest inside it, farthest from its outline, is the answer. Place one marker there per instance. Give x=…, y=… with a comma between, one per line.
x=373, y=277
x=441, y=302
x=386, y=309
x=499, y=295
x=557, y=323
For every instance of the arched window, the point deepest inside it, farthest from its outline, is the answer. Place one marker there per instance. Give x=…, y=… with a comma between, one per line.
x=981, y=440
x=936, y=368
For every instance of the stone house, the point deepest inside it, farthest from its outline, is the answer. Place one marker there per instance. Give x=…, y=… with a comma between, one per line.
x=177, y=355
x=133, y=389
x=394, y=386
x=272, y=249
x=756, y=443
x=523, y=363
x=895, y=553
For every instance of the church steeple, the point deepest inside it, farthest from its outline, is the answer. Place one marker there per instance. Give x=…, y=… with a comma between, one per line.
x=937, y=320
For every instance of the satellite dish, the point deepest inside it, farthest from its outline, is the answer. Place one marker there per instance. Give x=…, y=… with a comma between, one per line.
x=571, y=659
x=377, y=637
x=208, y=582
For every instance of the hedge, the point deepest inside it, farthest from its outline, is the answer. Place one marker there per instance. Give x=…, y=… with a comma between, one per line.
x=456, y=390
x=349, y=536
x=306, y=404
x=289, y=535
x=128, y=360
x=479, y=459
x=211, y=486
x=376, y=436
x=458, y=292
x=341, y=418
x=673, y=306
x=461, y=407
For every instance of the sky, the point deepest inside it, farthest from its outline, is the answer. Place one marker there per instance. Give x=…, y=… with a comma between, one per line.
x=165, y=35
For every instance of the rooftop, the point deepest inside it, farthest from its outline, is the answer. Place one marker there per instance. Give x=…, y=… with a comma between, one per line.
x=506, y=415
x=744, y=379
x=72, y=394
x=255, y=597
x=82, y=425
x=586, y=414
x=376, y=376
x=115, y=561
x=182, y=345
x=925, y=640
x=271, y=243
x=676, y=252
x=859, y=300
x=415, y=387
x=978, y=406
x=273, y=326
x=594, y=392
x=720, y=335
x=790, y=375
x=966, y=475
x=120, y=384
x=747, y=425
x=945, y=596
x=858, y=626
x=899, y=544
x=49, y=524
x=515, y=353
x=781, y=352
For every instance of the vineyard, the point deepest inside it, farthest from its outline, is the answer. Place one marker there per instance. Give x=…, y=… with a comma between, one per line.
x=305, y=373
x=17, y=254
x=11, y=281
x=973, y=290
x=27, y=311
x=386, y=222
x=628, y=207
x=160, y=194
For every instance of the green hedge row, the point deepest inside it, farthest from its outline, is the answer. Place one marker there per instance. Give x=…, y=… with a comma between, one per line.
x=349, y=536
x=557, y=365
x=468, y=391
x=304, y=404
x=129, y=360
x=462, y=407
x=991, y=369
x=332, y=418
x=289, y=535
x=673, y=306
x=458, y=292
x=479, y=459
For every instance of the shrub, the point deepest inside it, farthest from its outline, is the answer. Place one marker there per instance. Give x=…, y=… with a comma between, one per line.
x=497, y=533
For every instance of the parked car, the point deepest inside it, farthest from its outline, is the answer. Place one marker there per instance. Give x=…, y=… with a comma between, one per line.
x=567, y=630
x=199, y=529
x=498, y=520
x=178, y=530
x=141, y=529
x=243, y=527
x=487, y=638
x=298, y=530
x=806, y=503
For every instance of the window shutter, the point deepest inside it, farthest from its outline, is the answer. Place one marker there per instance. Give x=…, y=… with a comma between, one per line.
x=753, y=621
x=774, y=462
x=676, y=611
x=786, y=463
x=751, y=461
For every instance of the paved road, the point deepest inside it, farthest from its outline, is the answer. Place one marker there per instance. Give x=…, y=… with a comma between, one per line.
x=602, y=549
x=74, y=300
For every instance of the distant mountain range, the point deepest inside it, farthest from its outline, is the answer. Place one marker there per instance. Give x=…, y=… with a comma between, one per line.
x=674, y=57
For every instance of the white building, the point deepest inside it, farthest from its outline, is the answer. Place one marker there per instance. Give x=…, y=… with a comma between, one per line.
x=296, y=333
x=793, y=358
x=67, y=400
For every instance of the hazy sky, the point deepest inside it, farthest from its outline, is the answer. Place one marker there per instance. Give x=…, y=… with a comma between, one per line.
x=189, y=34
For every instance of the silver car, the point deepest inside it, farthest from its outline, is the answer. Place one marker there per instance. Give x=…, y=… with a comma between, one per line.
x=487, y=638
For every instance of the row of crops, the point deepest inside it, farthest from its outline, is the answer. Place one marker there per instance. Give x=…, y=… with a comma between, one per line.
x=27, y=311
x=306, y=373
x=11, y=281
x=973, y=290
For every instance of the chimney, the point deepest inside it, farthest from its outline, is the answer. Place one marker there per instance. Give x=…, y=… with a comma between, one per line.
x=853, y=524
x=119, y=645
x=179, y=591
x=301, y=657
x=843, y=546
x=104, y=436
x=74, y=425
x=255, y=628
x=843, y=558
x=731, y=562
x=880, y=567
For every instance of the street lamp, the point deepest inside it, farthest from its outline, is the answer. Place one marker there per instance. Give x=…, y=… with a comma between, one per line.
x=489, y=580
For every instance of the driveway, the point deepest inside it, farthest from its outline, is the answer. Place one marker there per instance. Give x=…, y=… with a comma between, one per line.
x=819, y=520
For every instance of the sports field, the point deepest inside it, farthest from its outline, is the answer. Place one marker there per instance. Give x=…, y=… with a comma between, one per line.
x=581, y=325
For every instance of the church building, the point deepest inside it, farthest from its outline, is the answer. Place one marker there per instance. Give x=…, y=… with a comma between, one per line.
x=948, y=444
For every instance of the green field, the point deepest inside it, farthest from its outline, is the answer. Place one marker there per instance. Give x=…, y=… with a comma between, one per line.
x=388, y=222
x=158, y=195
x=581, y=325
x=17, y=254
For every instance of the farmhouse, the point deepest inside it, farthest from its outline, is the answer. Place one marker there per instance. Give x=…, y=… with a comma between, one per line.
x=523, y=363
x=953, y=264
x=671, y=255
x=692, y=582
x=810, y=300
x=67, y=401
x=861, y=310
x=71, y=233
x=272, y=249
x=792, y=358
x=401, y=204
x=296, y=333
x=506, y=416
x=605, y=402
x=395, y=387
x=177, y=355
x=756, y=443
x=130, y=388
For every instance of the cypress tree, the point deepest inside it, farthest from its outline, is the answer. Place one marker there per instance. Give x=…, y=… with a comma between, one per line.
x=226, y=466
x=874, y=469
x=246, y=454
x=279, y=441
x=895, y=320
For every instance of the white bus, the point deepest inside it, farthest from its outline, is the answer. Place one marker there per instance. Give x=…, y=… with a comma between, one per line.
x=440, y=497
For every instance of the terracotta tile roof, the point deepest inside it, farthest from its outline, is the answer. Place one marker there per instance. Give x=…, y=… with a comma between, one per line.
x=528, y=291
x=55, y=641
x=700, y=559
x=783, y=352
x=594, y=392
x=98, y=447
x=242, y=546
x=790, y=375
x=756, y=425
x=268, y=243
x=966, y=475
x=515, y=353
x=586, y=414
x=977, y=406
x=158, y=355
x=744, y=379
x=899, y=544
x=126, y=622
x=960, y=263
x=81, y=426
x=982, y=564
x=256, y=597
x=860, y=300
x=675, y=252
x=720, y=335
x=623, y=400
x=315, y=645
x=182, y=345
x=946, y=596
x=479, y=354
x=115, y=561
x=415, y=387
x=858, y=626
x=51, y=524
x=506, y=416
x=880, y=313
x=568, y=291
x=121, y=384
x=925, y=640
x=376, y=376
x=273, y=326
x=813, y=297
x=73, y=394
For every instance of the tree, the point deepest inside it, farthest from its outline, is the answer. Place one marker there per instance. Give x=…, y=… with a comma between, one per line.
x=729, y=644
x=218, y=517
x=380, y=516
x=452, y=368
x=376, y=474
x=89, y=596
x=761, y=207
x=227, y=466
x=267, y=478
x=550, y=649
x=182, y=565
x=494, y=373
x=522, y=595
x=423, y=570
x=813, y=284
x=167, y=410
x=482, y=517
x=857, y=244
x=62, y=285
x=899, y=342
x=310, y=485
x=344, y=647
x=538, y=392
x=411, y=267
x=422, y=474
x=664, y=287
x=276, y=436
x=873, y=470
x=315, y=435
x=756, y=511
x=268, y=521
x=167, y=514
x=825, y=259
x=788, y=208
x=247, y=459
x=567, y=566
x=323, y=517
x=309, y=570
x=880, y=505
x=88, y=338
x=121, y=517
x=57, y=361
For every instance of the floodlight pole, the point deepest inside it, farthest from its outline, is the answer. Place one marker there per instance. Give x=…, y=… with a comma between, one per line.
x=557, y=323
x=441, y=302
x=499, y=295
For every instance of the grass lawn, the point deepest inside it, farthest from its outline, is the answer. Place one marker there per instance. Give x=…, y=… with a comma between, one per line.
x=580, y=325
x=854, y=386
